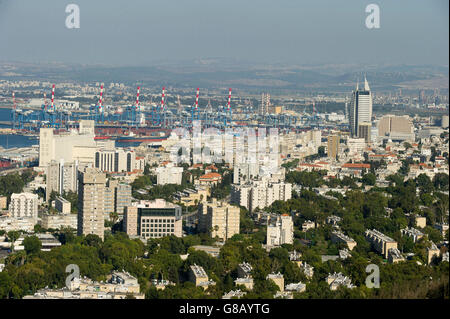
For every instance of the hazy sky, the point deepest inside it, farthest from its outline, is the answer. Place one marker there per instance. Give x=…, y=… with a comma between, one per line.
x=141, y=32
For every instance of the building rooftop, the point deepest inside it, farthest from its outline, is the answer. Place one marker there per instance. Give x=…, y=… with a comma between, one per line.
x=379, y=234
x=246, y=267
x=198, y=271
x=157, y=203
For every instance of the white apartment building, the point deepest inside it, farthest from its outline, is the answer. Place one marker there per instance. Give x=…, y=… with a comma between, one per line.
x=169, y=174
x=260, y=193
x=24, y=205
x=281, y=232
x=220, y=219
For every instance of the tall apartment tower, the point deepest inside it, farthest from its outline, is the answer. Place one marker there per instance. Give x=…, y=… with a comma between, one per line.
x=333, y=146
x=219, y=219
x=91, y=202
x=360, y=110
x=61, y=177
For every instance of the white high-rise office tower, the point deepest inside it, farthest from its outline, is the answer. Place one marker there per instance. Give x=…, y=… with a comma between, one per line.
x=360, y=109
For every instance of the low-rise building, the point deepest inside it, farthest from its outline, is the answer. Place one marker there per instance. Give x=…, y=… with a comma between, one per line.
x=213, y=251
x=57, y=221
x=395, y=256
x=308, y=225
x=161, y=284
x=295, y=287
x=62, y=205
x=234, y=294
x=413, y=233
x=333, y=220
x=380, y=242
x=278, y=279
x=24, y=205
x=338, y=279
x=3, y=202
x=169, y=174
x=199, y=277
x=421, y=221
x=308, y=270
x=340, y=237
x=432, y=253
x=119, y=286
x=244, y=270
x=245, y=281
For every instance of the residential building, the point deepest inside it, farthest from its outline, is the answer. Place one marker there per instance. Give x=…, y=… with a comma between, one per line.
x=245, y=281
x=56, y=221
x=91, y=202
x=62, y=205
x=199, y=277
x=296, y=287
x=3, y=202
x=169, y=174
x=432, y=253
x=119, y=286
x=380, y=242
x=338, y=279
x=62, y=176
x=333, y=146
x=219, y=219
x=260, y=193
x=421, y=222
x=24, y=205
x=413, y=233
x=244, y=270
x=192, y=197
x=122, y=197
x=234, y=294
x=278, y=279
x=395, y=256
x=340, y=237
x=281, y=232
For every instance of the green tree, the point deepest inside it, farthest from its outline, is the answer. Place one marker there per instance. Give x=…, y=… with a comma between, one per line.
x=32, y=245
x=369, y=179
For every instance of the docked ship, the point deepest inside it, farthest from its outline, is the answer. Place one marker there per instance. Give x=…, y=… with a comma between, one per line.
x=156, y=136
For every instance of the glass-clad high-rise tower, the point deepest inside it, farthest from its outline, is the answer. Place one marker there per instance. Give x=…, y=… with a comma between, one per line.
x=360, y=109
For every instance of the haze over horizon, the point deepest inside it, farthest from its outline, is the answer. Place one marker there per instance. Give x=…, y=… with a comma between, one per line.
x=147, y=32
